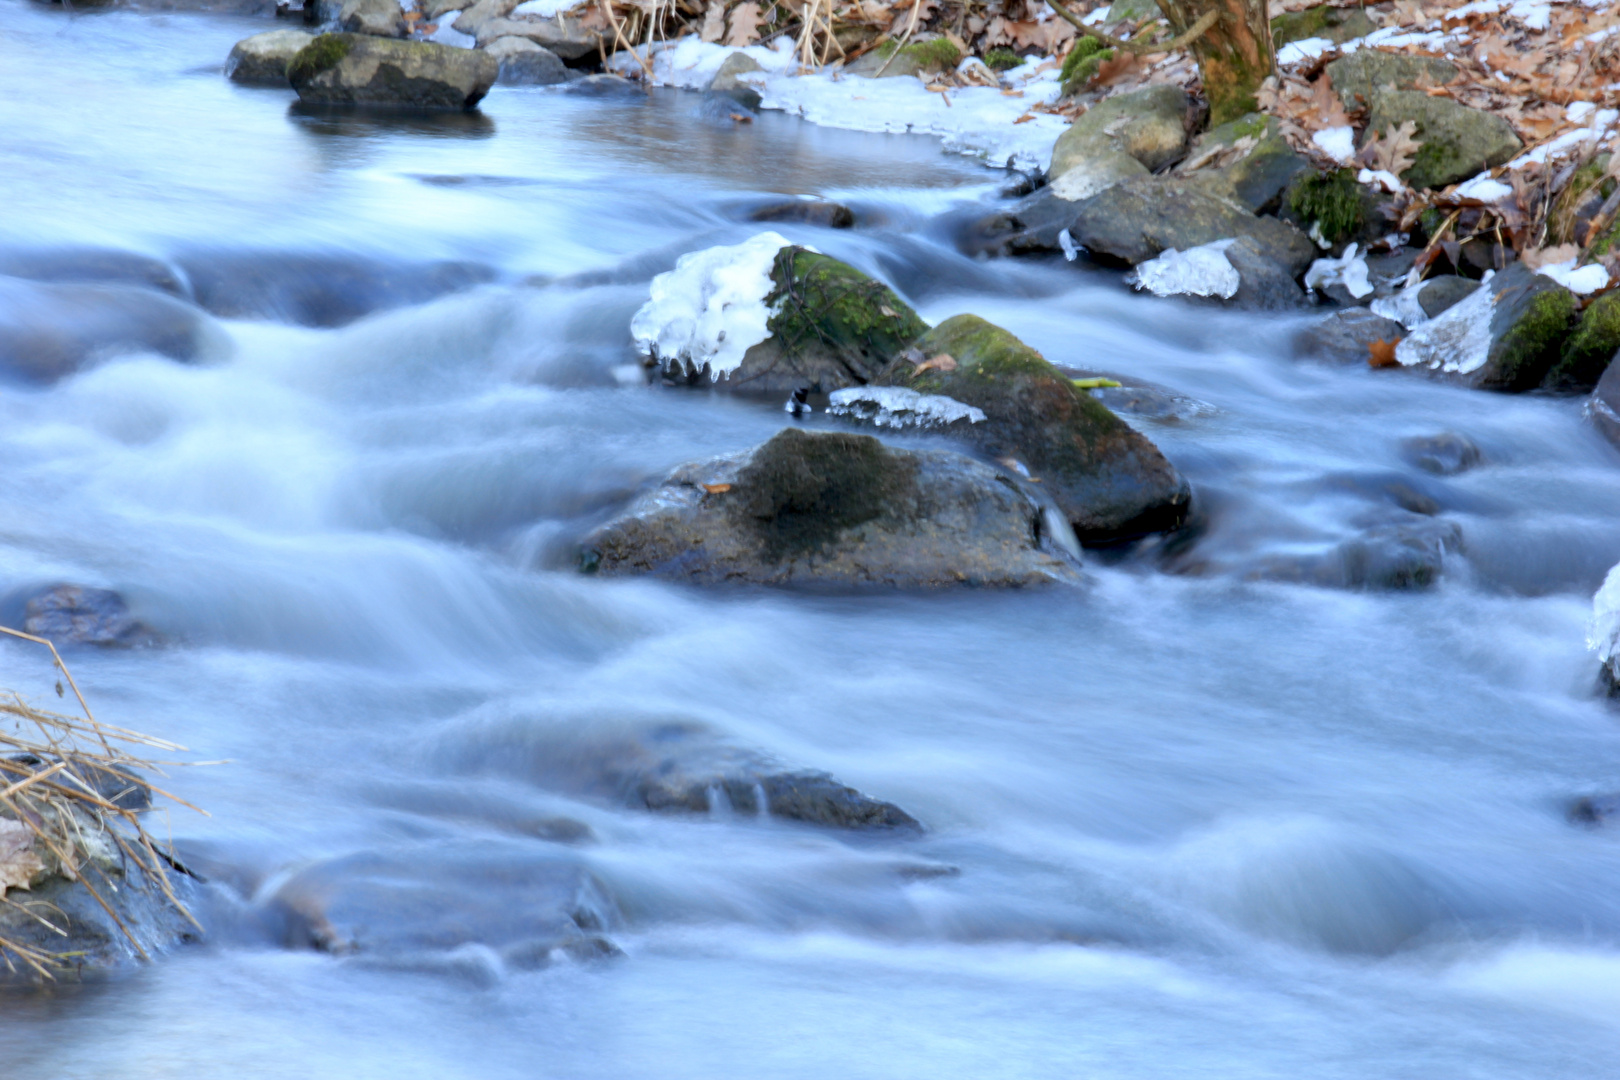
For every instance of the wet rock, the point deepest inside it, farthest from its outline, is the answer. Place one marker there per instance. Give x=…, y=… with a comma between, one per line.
x=472, y=20
x=1108, y=480
x=568, y=38
x=76, y=615
x=318, y=290
x=1126, y=135
x=830, y=508
x=92, y=266
x=1445, y=454
x=1457, y=142
x=263, y=58
x=1345, y=336
x=1603, y=407
x=1504, y=337
x=1336, y=24
x=726, y=82
x=523, y=63
x=1249, y=162
x=358, y=69
x=49, y=331
x=683, y=767
x=1150, y=403
x=1595, y=809
x=1440, y=294
x=1401, y=555
x=1589, y=350
x=381, y=18
x=1264, y=284
x=828, y=215
x=1360, y=76
x=469, y=907
x=1137, y=220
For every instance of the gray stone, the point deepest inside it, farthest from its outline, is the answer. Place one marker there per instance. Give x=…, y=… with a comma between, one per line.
x=359, y=69
x=76, y=615
x=609, y=86
x=473, y=18
x=831, y=508
x=382, y=18
x=1400, y=556
x=828, y=215
x=1603, y=407
x=1440, y=293
x=434, y=10
x=263, y=58
x=1250, y=161
x=1147, y=126
x=1335, y=24
x=1108, y=480
x=50, y=330
x=523, y=63
x=97, y=266
x=1526, y=317
x=1344, y=336
x=1264, y=283
x=1457, y=142
x=1134, y=10
x=566, y=37
x=727, y=83
x=1360, y=76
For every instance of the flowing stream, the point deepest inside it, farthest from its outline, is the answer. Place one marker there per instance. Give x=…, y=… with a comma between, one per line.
x=1190, y=821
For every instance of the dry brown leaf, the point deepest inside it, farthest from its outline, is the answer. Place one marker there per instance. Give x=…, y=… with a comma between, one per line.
x=717, y=489
x=1381, y=354
x=1117, y=68
x=1536, y=258
x=714, y=21
x=1394, y=151
x=744, y=24
x=18, y=863
x=941, y=362
x=1325, y=104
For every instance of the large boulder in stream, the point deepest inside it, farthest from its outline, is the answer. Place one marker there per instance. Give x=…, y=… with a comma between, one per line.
x=835, y=509
x=1108, y=480
x=1125, y=136
x=263, y=58
x=358, y=69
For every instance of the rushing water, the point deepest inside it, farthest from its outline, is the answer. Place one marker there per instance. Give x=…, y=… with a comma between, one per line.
x=1201, y=824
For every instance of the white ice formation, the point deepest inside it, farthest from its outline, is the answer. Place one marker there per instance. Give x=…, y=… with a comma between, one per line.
x=1349, y=270
x=1603, y=634
x=896, y=406
x=710, y=309
x=1458, y=340
x=1199, y=271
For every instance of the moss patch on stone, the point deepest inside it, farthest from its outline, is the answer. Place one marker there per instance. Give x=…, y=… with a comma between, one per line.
x=1532, y=344
x=322, y=54
x=935, y=55
x=803, y=489
x=1587, y=353
x=1332, y=200
x=1334, y=24
x=825, y=303
x=1002, y=59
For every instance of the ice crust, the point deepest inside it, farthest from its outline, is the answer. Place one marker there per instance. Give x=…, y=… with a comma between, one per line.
x=1199, y=271
x=1603, y=633
x=1349, y=270
x=710, y=309
x=896, y=406
x=1458, y=340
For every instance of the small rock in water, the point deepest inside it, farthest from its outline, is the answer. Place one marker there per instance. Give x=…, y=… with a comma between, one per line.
x=76, y=615
x=362, y=70
x=605, y=86
x=1345, y=336
x=828, y=215
x=1444, y=455
x=523, y=63
x=1506, y=336
x=1595, y=809
x=726, y=83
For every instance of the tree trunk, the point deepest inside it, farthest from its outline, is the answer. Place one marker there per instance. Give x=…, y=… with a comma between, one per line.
x=1234, y=56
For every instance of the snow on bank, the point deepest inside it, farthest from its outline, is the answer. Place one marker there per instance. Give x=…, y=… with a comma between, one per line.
x=978, y=120
x=896, y=406
x=710, y=309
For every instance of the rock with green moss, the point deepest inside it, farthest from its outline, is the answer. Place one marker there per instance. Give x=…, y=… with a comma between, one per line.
x=834, y=509
x=1127, y=135
x=263, y=58
x=1334, y=24
x=832, y=326
x=1456, y=142
x=1109, y=481
x=918, y=58
x=1587, y=353
x=1329, y=202
x=1506, y=335
x=358, y=69
x=1249, y=159
x=1359, y=77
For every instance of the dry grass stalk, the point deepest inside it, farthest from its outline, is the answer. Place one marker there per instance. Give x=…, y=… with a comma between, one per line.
x=78, y=786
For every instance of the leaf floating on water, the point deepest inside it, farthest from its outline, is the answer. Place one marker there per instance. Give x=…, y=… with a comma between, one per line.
x=18, y=863
x=1381, y=354
x=717, y=489
x=941, y=362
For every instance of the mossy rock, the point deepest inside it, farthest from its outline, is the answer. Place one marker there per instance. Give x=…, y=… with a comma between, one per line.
x=1260, y=177
x=1107, y=479
x=1336, y=24
x=917, y=58
x=1133, y=10
x=378, y=72
x=1359, y=77
x=1456, y=142
x=1527, y=317
x=1587, y=353
x=834, y=327
x=1331, y=201
x=1002, y=59
x=322, y=54
x=1534, y=335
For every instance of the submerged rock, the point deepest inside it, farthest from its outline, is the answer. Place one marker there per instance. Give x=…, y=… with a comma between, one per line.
x=1595, y=809
x=828, y=215
x=263, y=58
x=76, y=615
x=1445, y=454
x=93, y=266
x=49, y=331
x=358, y=69
x=1108, y=480
x=830, y=508
x=1506, y=336
x=1398, y=555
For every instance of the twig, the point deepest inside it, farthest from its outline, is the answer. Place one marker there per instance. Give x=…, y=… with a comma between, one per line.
x=1194, y=32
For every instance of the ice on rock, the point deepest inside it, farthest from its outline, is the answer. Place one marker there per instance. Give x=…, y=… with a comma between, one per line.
x=896, y=406
x=1603, y=634
x=1199, y=271
x=1404, y=307
x=710, y=309
x=546, y=9
x=1459, y=340
x=1349, y=270
x=1582, y=281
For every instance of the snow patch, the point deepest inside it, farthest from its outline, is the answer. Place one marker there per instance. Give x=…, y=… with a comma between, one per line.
x=546, y=9
x=896, y=406
x=1297, y=52
x=1459, y=340
x=1199, y=271
x=1582, y=281
x=1381, y=178
x=1483, y=188
x=1349, y=270
x=1338, y=143
x=710, y=309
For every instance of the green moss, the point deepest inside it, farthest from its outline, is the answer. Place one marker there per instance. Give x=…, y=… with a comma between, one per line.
x=1332, y=200
x=322, y=54
x=1002, y=60
x=827, y=303
x=1335, y=24
x=1081, y=65
x=802, y=489
x=937, y=54
x=1532, y=344
x=984, y=353
x=1589, y=349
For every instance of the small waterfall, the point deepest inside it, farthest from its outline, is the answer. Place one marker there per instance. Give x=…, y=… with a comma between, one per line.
x=719, y=802
x=762, y=802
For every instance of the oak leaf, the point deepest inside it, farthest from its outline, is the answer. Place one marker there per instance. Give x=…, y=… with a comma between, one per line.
x=941, y=362
x=1381, y=354
x=744, y=24
x=1393, y=152
x=18, y=863
x=714, y=21
x=717, y=489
